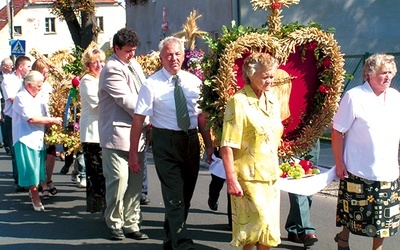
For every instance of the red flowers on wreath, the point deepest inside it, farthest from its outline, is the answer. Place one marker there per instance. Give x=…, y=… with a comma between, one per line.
x=324, y=89
x=276, y=5
x=312, y=45
x=235, y=68
x=327, y=62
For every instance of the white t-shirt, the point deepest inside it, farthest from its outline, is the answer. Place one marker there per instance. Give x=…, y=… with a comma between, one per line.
x=372, y=132
x=24, y=108
x=156, y=99
x=11, y=85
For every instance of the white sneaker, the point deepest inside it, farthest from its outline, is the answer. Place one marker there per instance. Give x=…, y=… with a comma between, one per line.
x=82, y=184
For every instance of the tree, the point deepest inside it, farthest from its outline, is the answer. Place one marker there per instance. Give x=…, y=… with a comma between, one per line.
x=84, y=32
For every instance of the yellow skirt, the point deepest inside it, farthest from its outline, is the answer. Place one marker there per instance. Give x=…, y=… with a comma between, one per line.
x=256, y=215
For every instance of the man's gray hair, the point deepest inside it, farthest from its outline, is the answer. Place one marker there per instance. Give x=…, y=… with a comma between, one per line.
x=170, y=39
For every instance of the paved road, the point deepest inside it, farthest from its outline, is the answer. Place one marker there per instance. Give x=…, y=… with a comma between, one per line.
x=66, y=225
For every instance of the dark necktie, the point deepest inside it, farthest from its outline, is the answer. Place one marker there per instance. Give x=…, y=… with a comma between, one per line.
x=138, y=82
x=182, y=114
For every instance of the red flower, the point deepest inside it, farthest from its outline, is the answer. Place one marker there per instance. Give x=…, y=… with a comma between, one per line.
x=76, y=81
x=276, y=5
x=327, y=62
x=231, y=91
x=323, y=89
x=312, y=45
x=235, y=68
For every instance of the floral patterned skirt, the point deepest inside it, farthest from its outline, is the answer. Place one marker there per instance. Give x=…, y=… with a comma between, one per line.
x=95, y=187
x=368, y=208
x=255, y=215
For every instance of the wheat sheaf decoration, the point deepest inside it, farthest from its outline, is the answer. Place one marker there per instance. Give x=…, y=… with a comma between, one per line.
x=312, y=63
x=61, y=84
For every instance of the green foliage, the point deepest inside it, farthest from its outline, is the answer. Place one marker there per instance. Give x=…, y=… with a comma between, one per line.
x=75, y=67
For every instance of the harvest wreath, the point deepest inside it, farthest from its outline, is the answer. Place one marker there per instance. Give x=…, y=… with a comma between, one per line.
x=310, y=55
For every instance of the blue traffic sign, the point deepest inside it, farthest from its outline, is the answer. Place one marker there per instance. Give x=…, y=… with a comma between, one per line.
x=17, y=47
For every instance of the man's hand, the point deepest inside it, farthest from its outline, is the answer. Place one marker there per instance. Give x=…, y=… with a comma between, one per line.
x=134, y=162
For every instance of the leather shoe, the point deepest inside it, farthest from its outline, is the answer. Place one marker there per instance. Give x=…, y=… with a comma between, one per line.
x=137, y=236
x=310, y=239
x=117, y=234
x=212, y=205
x=144, y=200
x=294, y=238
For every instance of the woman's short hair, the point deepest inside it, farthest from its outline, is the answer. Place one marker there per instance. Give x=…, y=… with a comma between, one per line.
x=254, y=61
x=375, y=62
x=89, y=56
x=33, y=78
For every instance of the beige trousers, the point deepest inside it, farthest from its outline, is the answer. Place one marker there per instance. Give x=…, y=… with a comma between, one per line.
x=123, y=191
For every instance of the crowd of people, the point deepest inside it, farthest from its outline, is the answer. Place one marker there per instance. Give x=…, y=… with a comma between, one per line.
x=120, y=108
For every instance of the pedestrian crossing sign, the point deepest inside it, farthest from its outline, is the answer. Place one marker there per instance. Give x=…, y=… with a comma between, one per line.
x=17, y=47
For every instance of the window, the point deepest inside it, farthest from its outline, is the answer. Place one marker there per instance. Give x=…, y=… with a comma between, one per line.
x=100, y=23
x=50, y=24
x=17, y=30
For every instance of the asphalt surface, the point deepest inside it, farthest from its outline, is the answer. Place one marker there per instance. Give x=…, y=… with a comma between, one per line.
x=66, y=225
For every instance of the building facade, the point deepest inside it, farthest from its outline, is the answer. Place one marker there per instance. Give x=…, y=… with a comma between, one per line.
x=361, y=26
x=41, y=30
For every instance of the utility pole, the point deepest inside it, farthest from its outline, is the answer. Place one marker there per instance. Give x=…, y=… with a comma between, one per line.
x=10, y=14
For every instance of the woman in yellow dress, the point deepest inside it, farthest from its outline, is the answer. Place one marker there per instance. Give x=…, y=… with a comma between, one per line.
x=251, y=135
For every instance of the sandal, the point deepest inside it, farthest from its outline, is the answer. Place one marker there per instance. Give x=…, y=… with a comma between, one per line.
x=337, y=239
x=52, y=190
x=45, y=195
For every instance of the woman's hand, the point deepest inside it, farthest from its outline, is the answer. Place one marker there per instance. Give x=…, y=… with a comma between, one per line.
x=57, y=121
x=341, y=171
x=234, y=188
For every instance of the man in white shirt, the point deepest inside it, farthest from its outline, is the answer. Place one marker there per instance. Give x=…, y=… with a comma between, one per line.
x=6, y=68
x=11, y=85
x=176, y=147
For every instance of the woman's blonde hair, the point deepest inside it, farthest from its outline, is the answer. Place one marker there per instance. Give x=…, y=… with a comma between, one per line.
x=254, y=61
x=88, y=56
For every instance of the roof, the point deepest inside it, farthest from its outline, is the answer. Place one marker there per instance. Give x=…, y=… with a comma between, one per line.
x=20, y=4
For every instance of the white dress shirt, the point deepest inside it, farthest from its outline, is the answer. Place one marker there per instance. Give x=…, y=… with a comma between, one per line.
x=156, y=99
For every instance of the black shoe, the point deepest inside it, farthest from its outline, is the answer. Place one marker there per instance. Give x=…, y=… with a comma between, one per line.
x=144, y=200
x=137, y=236
x=212, y=205
x=117, y=234
x=294, y=238
x=64, y=170
x=19, y=189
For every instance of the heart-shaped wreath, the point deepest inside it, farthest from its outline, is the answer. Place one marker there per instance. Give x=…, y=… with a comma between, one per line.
x=313, y=80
